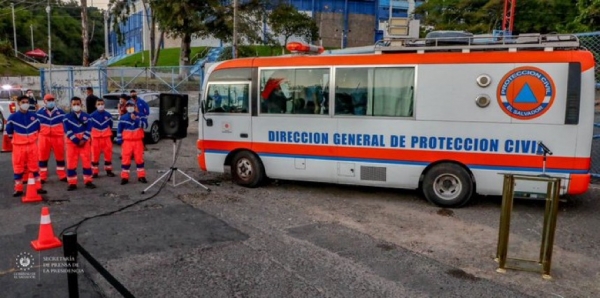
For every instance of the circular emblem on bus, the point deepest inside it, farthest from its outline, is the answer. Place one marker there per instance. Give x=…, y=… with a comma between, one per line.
x=526, y=93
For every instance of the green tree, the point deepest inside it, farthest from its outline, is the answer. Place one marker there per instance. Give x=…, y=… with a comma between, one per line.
x=67, y=47
x=483, y=16
x=588, y=16
x=285, y=20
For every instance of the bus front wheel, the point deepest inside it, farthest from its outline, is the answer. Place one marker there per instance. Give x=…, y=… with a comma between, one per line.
x=448, y=185
x=247, y=169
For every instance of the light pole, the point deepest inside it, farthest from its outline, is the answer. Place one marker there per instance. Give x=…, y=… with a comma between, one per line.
x=31, y=27
x=234, y=44
x=106, y=34
x=12, y=5
x=48, y=9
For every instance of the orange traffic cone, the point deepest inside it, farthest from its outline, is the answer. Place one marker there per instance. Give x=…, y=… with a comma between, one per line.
x=46, y=238
x=31, y=195
x=6, y=142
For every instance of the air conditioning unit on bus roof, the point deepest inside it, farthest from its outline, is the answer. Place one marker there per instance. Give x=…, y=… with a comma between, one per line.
x=403, y=28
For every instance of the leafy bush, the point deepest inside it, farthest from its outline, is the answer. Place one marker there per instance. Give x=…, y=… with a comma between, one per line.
x=6, y=47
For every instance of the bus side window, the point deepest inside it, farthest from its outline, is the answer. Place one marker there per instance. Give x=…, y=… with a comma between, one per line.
x=228, y=98
x=292, y=91
x=381, y=91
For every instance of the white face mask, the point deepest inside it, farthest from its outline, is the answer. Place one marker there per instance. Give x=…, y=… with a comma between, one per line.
x=24, y=106
x=76, y=108
x=130, y=109
x=100, y=107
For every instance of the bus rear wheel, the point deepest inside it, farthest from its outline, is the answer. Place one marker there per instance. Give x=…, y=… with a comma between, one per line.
x=448, y=185
x=247, y=169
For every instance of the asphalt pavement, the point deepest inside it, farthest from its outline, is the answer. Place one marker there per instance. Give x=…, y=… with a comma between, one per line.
x=232, y=242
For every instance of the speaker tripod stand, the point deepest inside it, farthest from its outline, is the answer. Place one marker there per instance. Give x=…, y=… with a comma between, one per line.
x=172, y=171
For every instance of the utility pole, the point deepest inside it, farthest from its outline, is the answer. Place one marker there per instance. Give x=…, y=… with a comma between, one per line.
x=234, y=47
x=12, y=5
x=106, y=50
x=84, y=33
x=31, y=27
x=143, y=34
x=48, y=9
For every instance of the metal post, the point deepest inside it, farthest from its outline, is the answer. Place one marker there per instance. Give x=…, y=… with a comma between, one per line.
x=70, y=253
x=106, y=51
x=143, y=34
x=48, y=10
x=544, y=261
x=234, y=44
x=12, y=5
x=31, y=27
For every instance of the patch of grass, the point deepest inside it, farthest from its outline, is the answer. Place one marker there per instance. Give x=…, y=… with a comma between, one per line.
x=167, y=57
x=170, y=57
x=13, y=67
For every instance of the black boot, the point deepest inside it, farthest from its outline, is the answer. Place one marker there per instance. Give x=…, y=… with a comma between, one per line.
x=72, y=187
x=90, y=185
x=124, y=181
x=143, y=180
x=110, y=174
x=17, y=193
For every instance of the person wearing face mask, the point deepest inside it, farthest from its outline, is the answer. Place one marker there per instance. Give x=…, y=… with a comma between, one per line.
x=141, y=107
x=33, y=105
x=22, y=128
x=51, y=138
x=101, y=139
x=78, y=129
x=131, y=135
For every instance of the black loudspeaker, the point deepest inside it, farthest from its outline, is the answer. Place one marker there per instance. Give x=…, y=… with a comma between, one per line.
x=173, y=115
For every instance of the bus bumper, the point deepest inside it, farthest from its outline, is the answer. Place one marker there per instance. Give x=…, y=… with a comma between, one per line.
x=579, y=184
x=201, y=155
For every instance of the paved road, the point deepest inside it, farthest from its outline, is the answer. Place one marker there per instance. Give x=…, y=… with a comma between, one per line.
x=283, y=240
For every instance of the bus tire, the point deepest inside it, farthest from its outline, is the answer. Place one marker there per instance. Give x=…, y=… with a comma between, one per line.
x=247, y=169
x=448, y=185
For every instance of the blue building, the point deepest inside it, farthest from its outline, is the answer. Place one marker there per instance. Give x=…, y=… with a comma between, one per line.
x=342, y=23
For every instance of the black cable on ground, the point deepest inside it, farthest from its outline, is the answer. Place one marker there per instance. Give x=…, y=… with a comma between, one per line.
x=164, y=183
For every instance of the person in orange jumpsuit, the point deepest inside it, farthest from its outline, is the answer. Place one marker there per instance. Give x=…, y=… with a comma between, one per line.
x=78, y=129
x=23, y=128
x=101, y=139
x=51, y=138
x=131, y=135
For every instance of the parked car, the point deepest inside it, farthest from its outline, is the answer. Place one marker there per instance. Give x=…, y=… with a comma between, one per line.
x=8, y=105
x=153, y=131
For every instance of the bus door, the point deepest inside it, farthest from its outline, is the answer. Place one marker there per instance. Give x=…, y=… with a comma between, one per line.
x=227, y=122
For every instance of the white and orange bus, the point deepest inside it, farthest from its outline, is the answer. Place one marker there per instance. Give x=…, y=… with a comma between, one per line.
x=446, y=118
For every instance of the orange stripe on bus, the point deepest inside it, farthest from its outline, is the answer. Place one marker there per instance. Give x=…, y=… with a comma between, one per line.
x=586, y=58
x=411, y=155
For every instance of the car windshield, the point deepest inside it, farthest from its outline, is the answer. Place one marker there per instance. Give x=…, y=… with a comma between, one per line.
x=111, y=101
x=9, y=94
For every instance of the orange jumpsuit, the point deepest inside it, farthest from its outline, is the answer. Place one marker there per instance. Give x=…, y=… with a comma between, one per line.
x=131, y=135
x=52, y=137
x=101, y=140
x=23, y=129
x=78, y=129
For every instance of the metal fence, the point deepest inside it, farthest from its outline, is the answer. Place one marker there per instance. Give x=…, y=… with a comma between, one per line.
x=591, y=41
x=67, y=82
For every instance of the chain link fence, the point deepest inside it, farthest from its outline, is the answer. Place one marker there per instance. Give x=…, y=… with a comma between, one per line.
x=67, y=82
x=591, y=41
